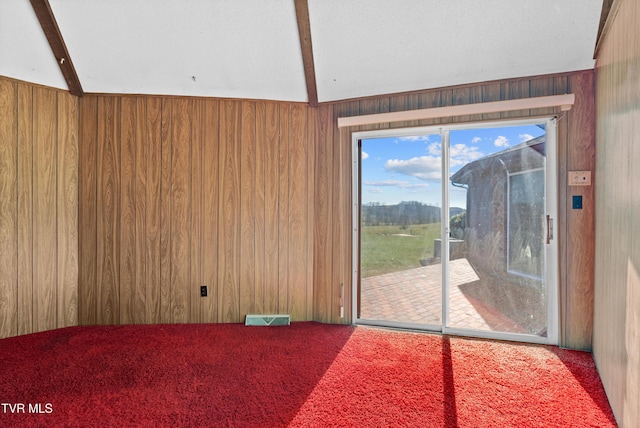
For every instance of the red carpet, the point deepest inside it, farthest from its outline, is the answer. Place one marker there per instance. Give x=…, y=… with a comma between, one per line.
x=306, y=374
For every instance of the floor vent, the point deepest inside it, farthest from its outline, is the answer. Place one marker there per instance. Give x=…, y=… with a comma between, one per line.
x=278, y=319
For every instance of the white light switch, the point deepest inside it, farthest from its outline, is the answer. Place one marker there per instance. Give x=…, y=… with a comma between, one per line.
x=579, y=178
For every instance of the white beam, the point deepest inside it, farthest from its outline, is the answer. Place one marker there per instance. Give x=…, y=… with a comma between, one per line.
x=563, y=101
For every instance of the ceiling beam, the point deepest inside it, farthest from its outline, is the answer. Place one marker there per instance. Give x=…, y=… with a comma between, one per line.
x=304, y=31
x=43, y=11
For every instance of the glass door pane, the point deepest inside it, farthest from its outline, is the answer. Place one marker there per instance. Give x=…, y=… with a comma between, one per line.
x=400, y=281
x=497, y=267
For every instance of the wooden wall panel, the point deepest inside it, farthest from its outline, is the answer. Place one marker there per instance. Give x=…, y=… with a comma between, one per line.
x=211, y=212
x=67, y=207
x=25, y=209
x=127, y=249
x=8, y=210
x=312, y=125
x=38, y=208
x=323, y=214
x=283, y=206
x=45, y=210
x=271, y=191
x=580, y=226
x=195, y=233
x=338, y=195
x=260, y=211
x=108, y=211
x=192, y=192
x=87, y=188
x=139, y=298
x=229, y=219
x=297, y=222
x=180, y=225
x=151, y=141
x=249, y=198
x=248, y=209
x=616, y=336
x=165, y=210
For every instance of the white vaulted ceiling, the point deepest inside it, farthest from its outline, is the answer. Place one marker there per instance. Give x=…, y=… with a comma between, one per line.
x=251, y=48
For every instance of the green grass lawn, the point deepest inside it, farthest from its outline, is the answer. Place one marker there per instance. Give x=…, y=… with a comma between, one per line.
x=384, y=250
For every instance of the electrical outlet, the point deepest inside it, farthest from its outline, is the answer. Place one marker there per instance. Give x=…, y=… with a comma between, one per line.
x=203, y=291
x=579, y=178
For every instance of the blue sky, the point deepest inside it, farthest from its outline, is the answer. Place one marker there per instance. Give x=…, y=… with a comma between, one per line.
x=409, y=168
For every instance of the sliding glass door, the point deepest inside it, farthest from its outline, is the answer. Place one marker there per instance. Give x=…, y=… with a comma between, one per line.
x=400, y=220
x=472, y=254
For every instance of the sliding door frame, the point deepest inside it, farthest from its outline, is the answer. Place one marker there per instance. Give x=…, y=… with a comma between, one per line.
x=551, y=276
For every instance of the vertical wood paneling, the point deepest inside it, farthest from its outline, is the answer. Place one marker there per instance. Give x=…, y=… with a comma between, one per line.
x=396, y=103
x=152, y=142
x=430, y=99
x=39, y=256
x=338, y=251
x=210, y=215
x=257, y=206
x=180, y=211
x=616, y=336
x=272, y=233
x=446, y=99
x=247, y=283
x=580, y=229
x=323, y=226
x=45, y=212
x=25, y=208
x=8, y=210
x=165, y=209
x=467, y=95
x=542, y=87
x=297, y=257
x=342, y=306
x=283, y=209
x=67, y=210
x=229, y=221
x=260, y=212
x=310, y=142
x=108, y=207
x=195, y=234
x=140, y=204
x=491, y=92
x=514, y=90
x=127, y=245
x=87, y=234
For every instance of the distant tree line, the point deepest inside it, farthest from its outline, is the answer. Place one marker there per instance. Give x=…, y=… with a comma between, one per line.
x=403, y=214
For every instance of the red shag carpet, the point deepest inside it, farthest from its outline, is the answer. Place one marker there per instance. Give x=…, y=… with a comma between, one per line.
x=304, y=375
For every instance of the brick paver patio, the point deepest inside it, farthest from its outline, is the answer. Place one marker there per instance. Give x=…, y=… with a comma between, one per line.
x=413, y=296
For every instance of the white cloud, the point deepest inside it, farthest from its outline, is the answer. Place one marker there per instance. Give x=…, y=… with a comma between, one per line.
x=464, y=153
x=435, y=149
x=525, y=137
x=423, y=167
x=365, y=155
x=396, y=183
x=375, y=191
x=476, y=140
x=424, y=138
x=501, y=141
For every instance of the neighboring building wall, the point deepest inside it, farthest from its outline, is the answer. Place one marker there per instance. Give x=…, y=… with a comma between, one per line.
x=616, y=341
